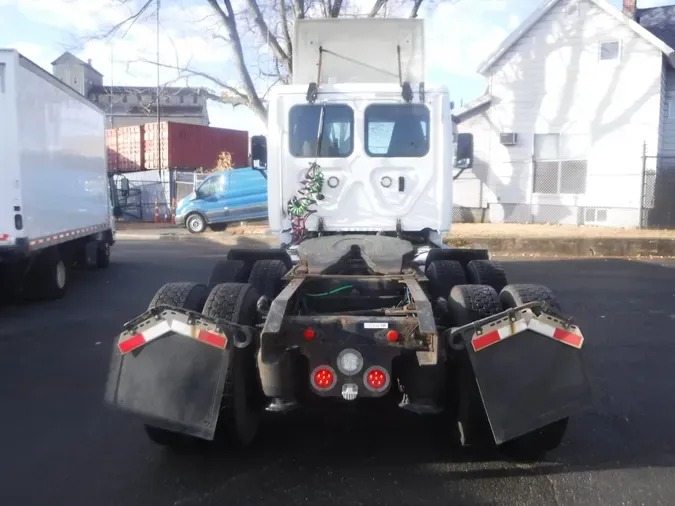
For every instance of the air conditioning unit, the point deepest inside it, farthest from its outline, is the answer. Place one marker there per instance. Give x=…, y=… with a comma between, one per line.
x=508, y=139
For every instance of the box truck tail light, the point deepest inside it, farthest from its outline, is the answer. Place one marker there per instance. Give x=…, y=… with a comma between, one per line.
x=309, y=334
x=18, y=221
x=376, y=379
x=323, y=377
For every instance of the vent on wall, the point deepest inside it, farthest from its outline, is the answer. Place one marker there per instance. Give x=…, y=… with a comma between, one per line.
x=508, y=139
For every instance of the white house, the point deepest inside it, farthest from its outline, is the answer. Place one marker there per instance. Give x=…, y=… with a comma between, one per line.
x=573, y=98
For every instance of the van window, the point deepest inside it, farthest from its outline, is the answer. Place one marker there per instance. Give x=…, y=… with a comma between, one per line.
x=211, y=186
x=338, y=130
x=397, y=130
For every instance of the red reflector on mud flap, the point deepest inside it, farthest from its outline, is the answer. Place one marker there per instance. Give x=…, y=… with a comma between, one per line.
x=213, y=339
x=132, y=343
x=164, y=327
x=543, y=325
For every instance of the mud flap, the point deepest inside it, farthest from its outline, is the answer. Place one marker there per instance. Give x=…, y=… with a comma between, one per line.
x=529, y=368
x=169, y=369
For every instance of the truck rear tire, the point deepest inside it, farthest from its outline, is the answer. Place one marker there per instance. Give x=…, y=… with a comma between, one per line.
x=103, y=255
x=49, y=276
x=535, y=444
x=187, y=296
x=469, y=303
x=242, y=401
x=229, y=271
x=266, y=277
x=443, y=276
x=486, y=272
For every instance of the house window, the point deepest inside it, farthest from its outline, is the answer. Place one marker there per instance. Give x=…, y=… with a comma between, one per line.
x=167, y=100
x=671, y=109
x=609, y=50
x=182, y=99
x=560, y=163
x=2, y=77
x=194, y=99
x=594, y=215
x=124, y=99
x=572, y=9
x=74, y=80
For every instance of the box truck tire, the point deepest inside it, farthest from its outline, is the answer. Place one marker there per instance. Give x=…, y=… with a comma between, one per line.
x=103, y=255
x=49, y=276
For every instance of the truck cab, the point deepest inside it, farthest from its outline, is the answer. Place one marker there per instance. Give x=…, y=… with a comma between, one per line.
x=224, y=197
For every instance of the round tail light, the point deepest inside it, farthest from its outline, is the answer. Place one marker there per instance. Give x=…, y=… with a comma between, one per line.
x=323, y=378
x=376, y=379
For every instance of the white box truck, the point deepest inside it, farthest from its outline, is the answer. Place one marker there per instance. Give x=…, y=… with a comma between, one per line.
x=55, y=206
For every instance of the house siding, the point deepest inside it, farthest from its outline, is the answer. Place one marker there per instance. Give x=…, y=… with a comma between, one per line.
x=551, y=81
x=667, y=145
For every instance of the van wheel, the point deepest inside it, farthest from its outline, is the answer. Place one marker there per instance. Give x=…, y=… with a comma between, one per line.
x=195, y=223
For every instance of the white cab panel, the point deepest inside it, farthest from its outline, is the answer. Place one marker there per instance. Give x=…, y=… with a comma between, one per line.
x=360, y=202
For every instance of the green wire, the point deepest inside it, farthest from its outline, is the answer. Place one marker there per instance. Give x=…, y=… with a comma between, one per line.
x=342, y=288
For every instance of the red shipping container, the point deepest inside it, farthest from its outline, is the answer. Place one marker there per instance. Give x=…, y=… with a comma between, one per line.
x=130, y=148
x=111, y=148
x=185, y=146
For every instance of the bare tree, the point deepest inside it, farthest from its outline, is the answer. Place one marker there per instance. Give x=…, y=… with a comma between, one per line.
x=253, y=24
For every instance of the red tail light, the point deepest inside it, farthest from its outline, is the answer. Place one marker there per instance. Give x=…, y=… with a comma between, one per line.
x=323, y=378
x=309, y=334
x=376, y=379
x=392, y=336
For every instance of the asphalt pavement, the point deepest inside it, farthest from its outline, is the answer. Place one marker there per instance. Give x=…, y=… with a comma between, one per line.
x=61, y=445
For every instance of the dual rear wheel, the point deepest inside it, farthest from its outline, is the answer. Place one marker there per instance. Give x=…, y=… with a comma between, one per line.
x=232, y=294
x=476, y=290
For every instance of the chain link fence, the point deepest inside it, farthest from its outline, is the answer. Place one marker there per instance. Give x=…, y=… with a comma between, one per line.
x=658, y=192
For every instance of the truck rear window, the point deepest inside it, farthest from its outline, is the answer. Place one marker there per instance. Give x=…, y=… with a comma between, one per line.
x=338, y=130
x=397, y=130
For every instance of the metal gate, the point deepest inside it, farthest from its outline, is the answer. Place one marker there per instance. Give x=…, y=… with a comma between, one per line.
x=658, y=192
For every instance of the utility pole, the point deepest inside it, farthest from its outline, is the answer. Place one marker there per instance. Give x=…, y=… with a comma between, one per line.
x=159, y=137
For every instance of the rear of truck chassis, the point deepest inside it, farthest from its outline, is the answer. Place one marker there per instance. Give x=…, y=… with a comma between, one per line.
x=356, y=318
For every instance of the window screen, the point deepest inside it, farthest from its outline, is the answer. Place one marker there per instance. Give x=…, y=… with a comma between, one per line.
x=397, y=130
x=560, y=163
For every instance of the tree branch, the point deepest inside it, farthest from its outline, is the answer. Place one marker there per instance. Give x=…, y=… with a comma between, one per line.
x=377, y=6
x=265, y=32
x=299, y=8
x=133, y=18
x=415, y=8
x=335, y=10
x=287, y=34
x=235, y=42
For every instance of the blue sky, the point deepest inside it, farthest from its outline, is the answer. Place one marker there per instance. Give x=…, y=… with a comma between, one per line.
x=459, y=36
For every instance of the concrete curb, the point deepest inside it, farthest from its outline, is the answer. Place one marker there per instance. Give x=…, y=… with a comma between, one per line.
x=571, y=247
x=499, y=246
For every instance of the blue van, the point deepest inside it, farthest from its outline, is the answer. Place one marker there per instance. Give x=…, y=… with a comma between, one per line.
x=224, y=197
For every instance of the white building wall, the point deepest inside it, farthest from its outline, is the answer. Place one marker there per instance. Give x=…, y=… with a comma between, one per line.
x=552, y=81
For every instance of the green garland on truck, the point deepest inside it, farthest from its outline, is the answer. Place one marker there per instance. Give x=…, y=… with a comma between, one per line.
x=298, y=207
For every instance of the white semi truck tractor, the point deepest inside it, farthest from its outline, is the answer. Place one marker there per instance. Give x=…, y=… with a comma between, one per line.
x=361, y=300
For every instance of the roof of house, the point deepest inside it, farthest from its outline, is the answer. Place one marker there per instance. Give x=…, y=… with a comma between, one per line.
x=143, y=90
x=474, y=104
x=648, y=34
x=70, y=57
x=660, y=21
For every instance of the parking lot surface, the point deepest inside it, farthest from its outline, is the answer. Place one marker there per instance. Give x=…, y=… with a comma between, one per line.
x=61, y=445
